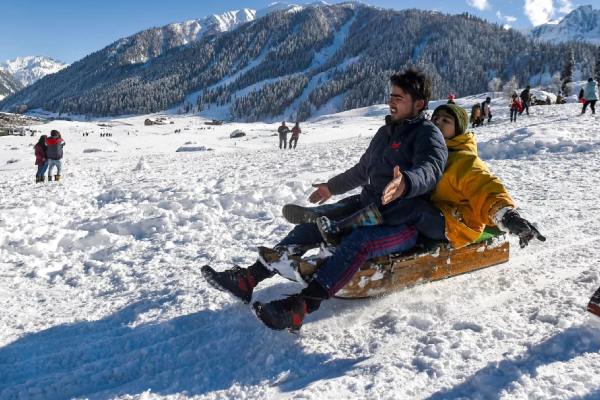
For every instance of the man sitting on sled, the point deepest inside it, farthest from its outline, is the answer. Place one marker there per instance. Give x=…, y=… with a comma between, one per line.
x=398, y=171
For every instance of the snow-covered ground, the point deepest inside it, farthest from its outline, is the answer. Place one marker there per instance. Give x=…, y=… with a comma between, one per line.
x=102, y=297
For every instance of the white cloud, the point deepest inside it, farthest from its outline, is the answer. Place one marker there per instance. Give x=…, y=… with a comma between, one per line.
x=566, y=6
x=507, y=18
x=479, y=4
x=539, y=11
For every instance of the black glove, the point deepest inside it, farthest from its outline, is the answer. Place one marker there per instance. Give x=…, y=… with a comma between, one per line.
x=521, y=227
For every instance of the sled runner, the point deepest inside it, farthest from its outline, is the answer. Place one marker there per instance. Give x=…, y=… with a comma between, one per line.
x=594, y=304
x=429, y=261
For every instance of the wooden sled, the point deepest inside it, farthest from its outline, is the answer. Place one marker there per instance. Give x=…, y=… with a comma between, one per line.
x=427, y=263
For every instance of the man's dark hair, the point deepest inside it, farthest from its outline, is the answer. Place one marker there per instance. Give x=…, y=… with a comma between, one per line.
x=415, y=83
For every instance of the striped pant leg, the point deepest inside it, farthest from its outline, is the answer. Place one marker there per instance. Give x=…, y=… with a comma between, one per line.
x=361, y=245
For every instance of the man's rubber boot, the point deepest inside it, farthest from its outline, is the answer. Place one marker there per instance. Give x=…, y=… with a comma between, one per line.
x=57, y=178
x=282, y=314
x=237, y=281
x=296, y=214
x=49, y=178
x=332, y=231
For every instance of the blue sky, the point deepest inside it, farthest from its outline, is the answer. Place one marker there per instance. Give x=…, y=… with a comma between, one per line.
x=68, y=30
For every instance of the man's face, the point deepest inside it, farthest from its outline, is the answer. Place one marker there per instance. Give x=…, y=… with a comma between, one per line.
x=402, y=105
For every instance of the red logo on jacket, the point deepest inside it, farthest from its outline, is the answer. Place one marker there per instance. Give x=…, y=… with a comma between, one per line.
x=395, y=146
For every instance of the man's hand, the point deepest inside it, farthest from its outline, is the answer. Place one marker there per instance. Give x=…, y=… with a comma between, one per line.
x=519, y=226
x=395, y=188
x=321, y=195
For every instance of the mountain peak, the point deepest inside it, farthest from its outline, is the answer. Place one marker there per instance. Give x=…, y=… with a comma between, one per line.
x=580, y=25
x=28, y=69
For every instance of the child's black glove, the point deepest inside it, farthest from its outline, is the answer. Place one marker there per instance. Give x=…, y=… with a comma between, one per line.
x=519, y=226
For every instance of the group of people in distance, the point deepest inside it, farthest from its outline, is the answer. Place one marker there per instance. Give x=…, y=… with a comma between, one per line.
x=419, y=177
x=49, y=154
x=283, y=131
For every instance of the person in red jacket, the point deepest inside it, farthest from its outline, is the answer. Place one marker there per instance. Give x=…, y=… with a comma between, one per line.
x=295, y=135
x=41, y=160
x=515, y=107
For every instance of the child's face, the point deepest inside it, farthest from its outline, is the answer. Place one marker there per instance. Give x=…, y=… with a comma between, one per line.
x=445, y=122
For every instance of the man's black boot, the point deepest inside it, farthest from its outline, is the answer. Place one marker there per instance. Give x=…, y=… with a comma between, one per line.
x=240, y=282
x=289, y=313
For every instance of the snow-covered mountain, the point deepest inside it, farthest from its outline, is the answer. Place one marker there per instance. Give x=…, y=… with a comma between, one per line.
x=8, y=84
x=27, y=70
x=295, y=62
x=581, y=24
x=153, y=42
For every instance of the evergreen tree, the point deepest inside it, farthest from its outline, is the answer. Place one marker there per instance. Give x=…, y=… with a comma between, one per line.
x=566, y=75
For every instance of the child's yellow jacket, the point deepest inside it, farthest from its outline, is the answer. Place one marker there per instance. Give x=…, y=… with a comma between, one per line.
x=468, y=194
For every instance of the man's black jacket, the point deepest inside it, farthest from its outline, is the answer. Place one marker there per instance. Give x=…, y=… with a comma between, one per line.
x=416, y=146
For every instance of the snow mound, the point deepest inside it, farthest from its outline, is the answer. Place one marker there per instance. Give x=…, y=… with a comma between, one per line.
x=141, y=165
x=92, y=150
x=527, y=142
x=192, y=148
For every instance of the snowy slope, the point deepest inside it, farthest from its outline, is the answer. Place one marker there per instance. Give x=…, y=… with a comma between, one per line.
x=581, y=24
x=27, y=70
x=102, y=295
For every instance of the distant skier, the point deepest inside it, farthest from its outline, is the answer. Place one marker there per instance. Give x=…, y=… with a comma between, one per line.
x=525, y=100
x=41, y=159
x=54, y=150
x=486, y=110
x=283, y=130
x=515, y=107
x=399, y=169
x=590, y=95
x=296, y=131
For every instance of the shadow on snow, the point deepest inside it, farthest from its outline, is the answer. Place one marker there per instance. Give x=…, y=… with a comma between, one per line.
x=195, y=354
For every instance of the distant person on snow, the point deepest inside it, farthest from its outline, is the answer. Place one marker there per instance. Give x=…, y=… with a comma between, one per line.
x=515, y=107
x=54, y=151
x=476, y=116
x=41, y=159
x=283, y=130
x=580, y=97
x=295, y=135
x=451, y=98
x=559, y=98
x=525, y=100
x=486, y=110
x=397, y=172
x=590, y=95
